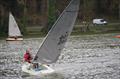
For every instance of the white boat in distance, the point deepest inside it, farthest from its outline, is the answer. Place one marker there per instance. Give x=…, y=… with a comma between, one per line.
x=14, y=33
x=55, y=40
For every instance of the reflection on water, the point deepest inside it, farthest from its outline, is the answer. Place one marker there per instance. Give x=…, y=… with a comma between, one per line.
x=84, y=57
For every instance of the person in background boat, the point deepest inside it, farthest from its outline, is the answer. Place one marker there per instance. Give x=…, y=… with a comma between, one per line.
x=15, y=37
x=27, y=56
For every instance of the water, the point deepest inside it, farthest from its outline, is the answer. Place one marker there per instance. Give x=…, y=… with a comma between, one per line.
x=84, y=57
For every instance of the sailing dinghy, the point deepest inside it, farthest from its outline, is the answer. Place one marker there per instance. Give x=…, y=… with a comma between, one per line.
x=14, y=33
x=54, y=42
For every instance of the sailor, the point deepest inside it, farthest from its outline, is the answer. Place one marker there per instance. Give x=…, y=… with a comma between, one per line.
x=27, y=56
x=15, y=37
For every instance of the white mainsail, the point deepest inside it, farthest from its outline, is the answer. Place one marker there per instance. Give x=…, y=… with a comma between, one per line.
x=13, y=27
x=55, y=40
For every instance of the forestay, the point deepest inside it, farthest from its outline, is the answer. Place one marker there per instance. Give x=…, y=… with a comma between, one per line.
x=55, y=40
x=13, y=27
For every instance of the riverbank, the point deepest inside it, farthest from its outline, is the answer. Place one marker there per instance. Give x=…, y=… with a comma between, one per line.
x=79, y=29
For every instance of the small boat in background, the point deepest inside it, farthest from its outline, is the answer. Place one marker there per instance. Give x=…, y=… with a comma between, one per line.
x=14, y=33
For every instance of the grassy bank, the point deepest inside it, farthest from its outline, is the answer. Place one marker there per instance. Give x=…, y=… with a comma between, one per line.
x=96, y=29
x=83, y=29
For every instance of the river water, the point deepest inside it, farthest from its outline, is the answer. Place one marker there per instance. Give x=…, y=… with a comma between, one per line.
x=84, y=57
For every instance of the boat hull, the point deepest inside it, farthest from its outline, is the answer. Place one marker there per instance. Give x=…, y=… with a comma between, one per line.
x=43, y=71
x=118, y=36
x=14, y=39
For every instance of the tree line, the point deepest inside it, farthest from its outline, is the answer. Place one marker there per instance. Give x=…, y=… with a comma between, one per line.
x=45, y=12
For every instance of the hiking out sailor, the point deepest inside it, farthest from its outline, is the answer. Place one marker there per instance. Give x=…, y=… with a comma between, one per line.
x=27, y=56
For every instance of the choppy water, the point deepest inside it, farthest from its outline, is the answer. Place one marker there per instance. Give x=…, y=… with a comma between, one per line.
x=84, y=57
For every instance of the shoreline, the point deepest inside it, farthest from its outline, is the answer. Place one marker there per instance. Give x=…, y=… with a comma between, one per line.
x=73, y=34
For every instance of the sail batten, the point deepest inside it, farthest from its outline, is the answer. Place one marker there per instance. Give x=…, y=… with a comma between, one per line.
x=13, y=27
x=56, y=38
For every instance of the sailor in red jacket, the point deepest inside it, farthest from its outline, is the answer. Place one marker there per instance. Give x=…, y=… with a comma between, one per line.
x=27, y=57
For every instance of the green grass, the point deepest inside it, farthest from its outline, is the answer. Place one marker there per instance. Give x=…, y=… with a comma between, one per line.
x=78, y=30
